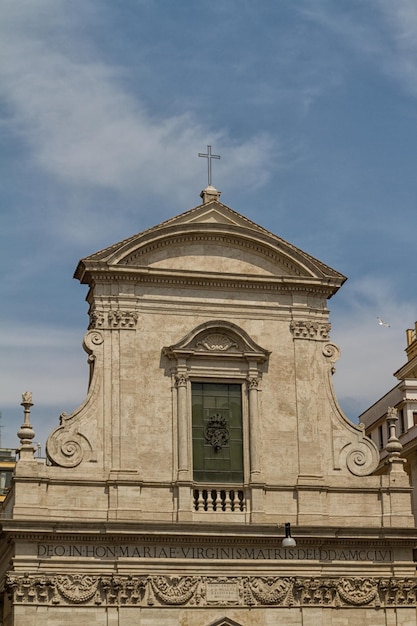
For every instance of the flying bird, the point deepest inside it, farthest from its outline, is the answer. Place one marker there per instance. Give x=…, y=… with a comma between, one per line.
x=382, y=323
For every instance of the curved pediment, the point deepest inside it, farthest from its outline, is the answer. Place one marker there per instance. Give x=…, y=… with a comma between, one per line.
x=217, y=338
x=212, y=250
x=210, y=239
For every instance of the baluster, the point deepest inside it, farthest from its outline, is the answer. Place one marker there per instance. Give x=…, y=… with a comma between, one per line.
x=200, y=502
x=241, y=501
x=233, y=500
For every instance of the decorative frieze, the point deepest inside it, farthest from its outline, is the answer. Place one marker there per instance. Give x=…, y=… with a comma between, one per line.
x=305, y=329
x=239, y=591
x=113, y=319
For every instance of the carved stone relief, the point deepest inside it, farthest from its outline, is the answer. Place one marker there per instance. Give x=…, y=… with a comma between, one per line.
x=113, y=319
x=218, y=342
x=216, y=432
x=250, y=591
x=304, y=329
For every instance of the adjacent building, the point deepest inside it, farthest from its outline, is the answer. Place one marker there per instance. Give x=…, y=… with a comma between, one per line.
x=209, y=426
x=403, y=397
x=7, y=465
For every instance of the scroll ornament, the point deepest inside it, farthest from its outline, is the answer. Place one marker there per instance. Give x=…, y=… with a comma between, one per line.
x=165, y=591
x=361, y=457
x=66, y=448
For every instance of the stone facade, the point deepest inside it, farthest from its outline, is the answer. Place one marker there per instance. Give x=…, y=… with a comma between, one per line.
x=118, y=530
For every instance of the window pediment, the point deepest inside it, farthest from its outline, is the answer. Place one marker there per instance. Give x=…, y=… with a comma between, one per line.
x=214, y=339
x=225, y=622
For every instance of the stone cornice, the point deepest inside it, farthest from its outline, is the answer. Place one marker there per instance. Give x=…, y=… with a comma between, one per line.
x=207, y=532
x=257, y=239
x=198, y=280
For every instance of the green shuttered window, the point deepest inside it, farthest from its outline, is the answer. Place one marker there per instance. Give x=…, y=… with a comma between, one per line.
x=217, y=432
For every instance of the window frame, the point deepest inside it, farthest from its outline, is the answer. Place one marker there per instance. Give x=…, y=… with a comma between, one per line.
x=218, y=352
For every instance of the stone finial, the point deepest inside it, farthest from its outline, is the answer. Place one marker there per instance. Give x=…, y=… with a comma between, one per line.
x=26, y=432
x=394, y=446
x=210, y=193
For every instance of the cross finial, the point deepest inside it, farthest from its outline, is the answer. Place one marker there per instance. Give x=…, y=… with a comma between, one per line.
x=209, y=156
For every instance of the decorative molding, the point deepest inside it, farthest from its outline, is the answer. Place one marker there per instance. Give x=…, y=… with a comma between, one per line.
x=305, y=329
x=240, y=591
x=113, y=319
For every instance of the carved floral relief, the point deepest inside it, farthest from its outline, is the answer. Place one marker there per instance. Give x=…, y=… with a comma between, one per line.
x=250, y=591
x=113, y=319
x=306, y=329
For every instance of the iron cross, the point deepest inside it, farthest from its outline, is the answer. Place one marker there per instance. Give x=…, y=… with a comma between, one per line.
x=209, y=156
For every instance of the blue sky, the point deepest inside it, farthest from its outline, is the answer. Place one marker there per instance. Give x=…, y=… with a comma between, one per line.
x=104, y=106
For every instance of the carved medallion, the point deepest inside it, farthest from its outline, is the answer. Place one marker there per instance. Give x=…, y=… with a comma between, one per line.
x=216, y=432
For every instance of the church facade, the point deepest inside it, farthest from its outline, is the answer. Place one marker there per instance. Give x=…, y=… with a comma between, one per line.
x=210, y=423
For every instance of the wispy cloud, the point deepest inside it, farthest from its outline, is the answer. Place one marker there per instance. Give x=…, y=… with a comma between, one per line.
x=370, y=353
x=384, y=33
x=84, y=128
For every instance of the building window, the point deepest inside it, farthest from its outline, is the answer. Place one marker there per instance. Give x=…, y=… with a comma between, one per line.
x=402, y=421
x=217, y=432
x=380, y=437
x=216, y=372
x=415, y=418
x=5, y=481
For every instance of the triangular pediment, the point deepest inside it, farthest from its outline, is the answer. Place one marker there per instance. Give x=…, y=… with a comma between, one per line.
x=211, y=239
x=213, y=212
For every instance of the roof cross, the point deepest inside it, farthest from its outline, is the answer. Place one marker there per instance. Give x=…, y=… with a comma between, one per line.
x=209, y=156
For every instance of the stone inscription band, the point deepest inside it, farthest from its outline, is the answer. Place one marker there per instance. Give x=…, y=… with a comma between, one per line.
x=46, y=550
x=253, y=591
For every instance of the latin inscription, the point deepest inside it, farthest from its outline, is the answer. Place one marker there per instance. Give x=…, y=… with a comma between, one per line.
x=47, y=550
x=224, y=592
